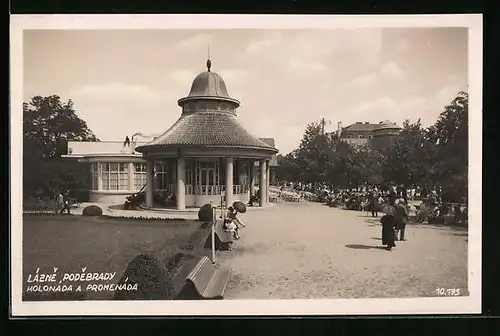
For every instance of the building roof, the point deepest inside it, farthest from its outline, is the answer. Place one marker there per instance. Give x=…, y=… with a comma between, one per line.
x=209, y=129
x=269, y=141
x=386, y=124
x=360, y=127
x=274, y=159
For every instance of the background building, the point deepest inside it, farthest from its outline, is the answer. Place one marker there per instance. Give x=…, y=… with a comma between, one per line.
x=378, y=135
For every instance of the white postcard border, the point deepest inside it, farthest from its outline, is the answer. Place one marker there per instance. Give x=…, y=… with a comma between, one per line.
x=445, y=305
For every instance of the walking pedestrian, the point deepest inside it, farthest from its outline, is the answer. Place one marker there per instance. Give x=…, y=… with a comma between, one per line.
x=374, y=204
x=66, y=203
x=59, y=202
x=402, y=219
x=388, y=227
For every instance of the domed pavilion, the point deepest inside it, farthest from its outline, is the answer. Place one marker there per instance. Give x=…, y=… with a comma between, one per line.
x=384, y=134
x=209, y=153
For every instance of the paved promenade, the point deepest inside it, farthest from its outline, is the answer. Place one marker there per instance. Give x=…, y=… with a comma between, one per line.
x=311, y=251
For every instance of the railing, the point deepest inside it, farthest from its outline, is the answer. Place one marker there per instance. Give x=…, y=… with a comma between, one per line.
x=206, y=189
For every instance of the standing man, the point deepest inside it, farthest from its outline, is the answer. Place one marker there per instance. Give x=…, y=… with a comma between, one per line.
x=402, y=219
x=374, y=204
x=59, y=202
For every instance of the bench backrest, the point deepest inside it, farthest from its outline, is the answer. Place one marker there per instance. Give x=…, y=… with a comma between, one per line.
x=202, y=274
x=219, y=230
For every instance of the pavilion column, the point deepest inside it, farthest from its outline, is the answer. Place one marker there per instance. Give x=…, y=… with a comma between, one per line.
x=229, y=181
x=131, y=177
x=181, y=184
x=99, y=176
x=263, y=184
x=252, y=178
x=268, y=179
x=149, y=183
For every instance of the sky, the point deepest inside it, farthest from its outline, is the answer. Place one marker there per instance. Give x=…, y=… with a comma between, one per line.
x=128, y=81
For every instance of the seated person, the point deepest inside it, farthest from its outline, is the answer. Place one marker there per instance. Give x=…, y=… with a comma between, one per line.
x=253, y=198
x=229, y=223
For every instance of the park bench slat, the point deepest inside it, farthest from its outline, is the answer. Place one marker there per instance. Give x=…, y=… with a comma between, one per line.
x=217, y=286
x=207, y=281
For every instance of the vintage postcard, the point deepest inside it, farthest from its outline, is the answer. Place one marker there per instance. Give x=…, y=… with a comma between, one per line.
x=245, y=165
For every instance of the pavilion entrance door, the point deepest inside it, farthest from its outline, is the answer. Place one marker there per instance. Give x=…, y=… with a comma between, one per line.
x=207, y=178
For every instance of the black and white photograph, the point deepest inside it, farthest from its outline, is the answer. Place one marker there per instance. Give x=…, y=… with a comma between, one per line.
x=245, y=165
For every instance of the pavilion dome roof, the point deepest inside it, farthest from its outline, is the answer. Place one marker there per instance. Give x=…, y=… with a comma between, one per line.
x=208, y=84
x=208, y=128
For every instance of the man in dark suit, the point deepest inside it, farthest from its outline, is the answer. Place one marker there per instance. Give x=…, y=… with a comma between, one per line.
x=402, y=218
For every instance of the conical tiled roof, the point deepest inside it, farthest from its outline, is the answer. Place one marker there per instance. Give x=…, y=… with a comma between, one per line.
x=208, y=127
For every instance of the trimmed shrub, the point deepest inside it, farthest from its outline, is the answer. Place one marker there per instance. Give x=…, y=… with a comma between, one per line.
x=92, y=210
x=205, y=213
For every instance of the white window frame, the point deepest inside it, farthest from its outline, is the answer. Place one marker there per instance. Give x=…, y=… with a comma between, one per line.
x=114, y=176
x=140, y=175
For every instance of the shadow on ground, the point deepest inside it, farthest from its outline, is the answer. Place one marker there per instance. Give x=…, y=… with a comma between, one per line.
x=376, y=238
x=364, y=247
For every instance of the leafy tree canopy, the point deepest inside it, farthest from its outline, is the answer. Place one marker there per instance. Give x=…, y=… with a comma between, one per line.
x=48, y=124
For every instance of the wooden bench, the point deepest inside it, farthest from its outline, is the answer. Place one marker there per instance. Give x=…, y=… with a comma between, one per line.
x=223, y=239
x=205, y=282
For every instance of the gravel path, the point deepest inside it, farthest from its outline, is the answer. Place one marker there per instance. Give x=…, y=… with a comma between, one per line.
x=310, y=251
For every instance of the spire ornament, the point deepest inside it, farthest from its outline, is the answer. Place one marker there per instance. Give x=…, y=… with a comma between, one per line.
x=209, y=63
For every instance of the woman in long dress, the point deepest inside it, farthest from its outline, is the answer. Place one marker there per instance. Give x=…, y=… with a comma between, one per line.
x=388, y=227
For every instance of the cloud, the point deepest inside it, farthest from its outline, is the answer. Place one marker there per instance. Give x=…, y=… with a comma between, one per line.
x=182, y=78
x=257, y=47
x=386, y=108
x=113, y=110
x=318, y=47
x=362, y=82
x=201, y=40
x=287, y=137
x=446, y=94
x=298, y=66
x=403, y=45
x=393, y=71
x=117, y=92
x=234, y=77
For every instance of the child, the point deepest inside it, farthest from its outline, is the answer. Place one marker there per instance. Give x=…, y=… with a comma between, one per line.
x=229, y=224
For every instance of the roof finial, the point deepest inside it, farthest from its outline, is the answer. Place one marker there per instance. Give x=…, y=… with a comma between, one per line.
x=209, y=63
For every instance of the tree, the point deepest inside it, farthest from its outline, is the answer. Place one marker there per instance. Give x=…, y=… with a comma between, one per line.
x=406, y=161
x=447, y=145
x=311, y=156
x=287, y=169
x=48, y=124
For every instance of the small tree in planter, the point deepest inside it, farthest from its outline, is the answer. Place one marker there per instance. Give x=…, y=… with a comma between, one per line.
x=205, y=214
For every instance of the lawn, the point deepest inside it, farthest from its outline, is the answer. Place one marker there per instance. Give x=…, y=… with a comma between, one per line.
x=71, y=243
